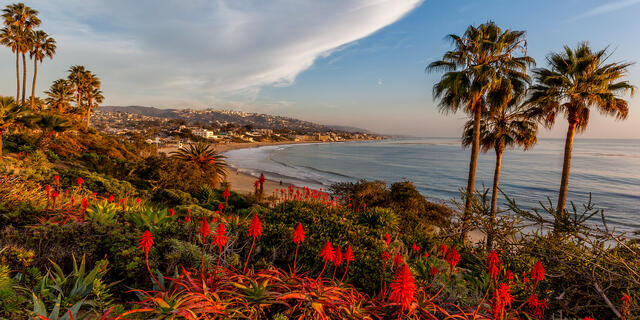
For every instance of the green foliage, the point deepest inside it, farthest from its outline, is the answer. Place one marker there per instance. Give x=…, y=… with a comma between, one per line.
x=173, y=197
x=95, y=182
x=103, y=213
x=11, y=303
x=150, y=218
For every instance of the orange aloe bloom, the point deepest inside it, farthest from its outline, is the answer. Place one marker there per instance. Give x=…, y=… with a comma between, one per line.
x=452, y=258
x=537, y=272
x=146, y=241
x=298, y=234
x=255, y=228
x=403, y=288
x=220, y=238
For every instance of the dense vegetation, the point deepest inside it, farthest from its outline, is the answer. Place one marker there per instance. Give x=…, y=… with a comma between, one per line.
x=92, y=226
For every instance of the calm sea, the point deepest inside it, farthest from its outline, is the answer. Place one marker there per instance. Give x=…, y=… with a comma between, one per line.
x=608, y=169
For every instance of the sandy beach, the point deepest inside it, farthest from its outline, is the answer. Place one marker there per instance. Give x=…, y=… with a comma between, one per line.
x=243, y=183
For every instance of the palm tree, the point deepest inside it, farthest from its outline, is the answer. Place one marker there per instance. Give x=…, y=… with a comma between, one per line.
x=24, y=19
x=77, y=78
x=49, y=125
x=577, y=81
x=508, y=124
x=11, y=37
x=9, y=112
x=93, y=94
x=208, y=159
x=60, y=95
x=43, y=46
x=481, y=59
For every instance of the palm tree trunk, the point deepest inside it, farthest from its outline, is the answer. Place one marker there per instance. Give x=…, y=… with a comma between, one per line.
x=88, y=115
x=17, y=76
x=566, y=166
x=24, y=76
x=33, y=85
x=494, y=196
x=466, y=218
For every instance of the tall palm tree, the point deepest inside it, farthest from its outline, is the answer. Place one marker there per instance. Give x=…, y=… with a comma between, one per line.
x=92, y=95
x=11, y=37
x=43, y=46
x=508, y=124
x=577, y=81
x=207, y=158
x=60, y=95
x=9, y=112
x=24, y=19
x=481, y=59
x=77, y=78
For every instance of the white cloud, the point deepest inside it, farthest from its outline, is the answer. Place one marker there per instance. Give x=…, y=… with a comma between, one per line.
x=606, y=8
x=198, y=52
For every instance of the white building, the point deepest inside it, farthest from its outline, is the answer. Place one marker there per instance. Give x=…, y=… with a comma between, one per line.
x=204, y=133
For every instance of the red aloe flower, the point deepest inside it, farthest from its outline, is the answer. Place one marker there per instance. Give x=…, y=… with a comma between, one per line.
x=348, y=256
x=588, y=318
x=387, y=239
x=397, y=260
x=626, y=298
x=433, y=271
x=502, y=298
x=509, y=275
x=327, y=253
x=426, y=254
x=492, y=265
x=452, y=258
x=111, y=198
x=298, y=237
x=443, y=249
x=205, y=231
x=537, y=306
x=145, y=242
x=255, y=230
x=85, y=204
x=386, y=256
x=226, y=194
x=80, y=182
x=56, y=178
x=403, y=288
x=626, y=306
x=537, y=272
x=220, y=240
x=54, y=196
x=47, y=190
x=171, y=212
x=415, y=248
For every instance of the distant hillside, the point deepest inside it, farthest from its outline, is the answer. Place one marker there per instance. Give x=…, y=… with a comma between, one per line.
x=221, y=117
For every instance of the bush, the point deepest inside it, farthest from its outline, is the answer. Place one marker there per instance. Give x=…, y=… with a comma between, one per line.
x=173, y=197
x=95, y=182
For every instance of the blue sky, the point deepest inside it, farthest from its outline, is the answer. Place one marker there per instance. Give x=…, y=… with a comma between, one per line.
x=347, y=62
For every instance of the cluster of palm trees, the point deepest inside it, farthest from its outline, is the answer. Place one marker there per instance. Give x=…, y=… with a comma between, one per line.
x=20, y=35
x=486, y=75
x=55, y=113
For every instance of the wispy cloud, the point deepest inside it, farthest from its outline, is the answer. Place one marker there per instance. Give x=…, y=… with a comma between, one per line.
x=606, y=8
x=200, y=52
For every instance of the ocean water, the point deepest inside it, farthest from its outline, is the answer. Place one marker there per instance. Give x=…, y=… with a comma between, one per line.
x=608, y=169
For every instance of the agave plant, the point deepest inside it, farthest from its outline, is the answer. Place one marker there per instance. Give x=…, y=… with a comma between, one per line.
x=103, y=213
x=150, y=218
x=74, y=291
x=209, y=160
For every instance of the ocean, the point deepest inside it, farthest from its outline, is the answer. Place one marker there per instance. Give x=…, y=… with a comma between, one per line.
x=608, y=169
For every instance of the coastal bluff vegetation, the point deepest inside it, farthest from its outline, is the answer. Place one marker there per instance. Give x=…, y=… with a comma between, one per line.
x=99, y=226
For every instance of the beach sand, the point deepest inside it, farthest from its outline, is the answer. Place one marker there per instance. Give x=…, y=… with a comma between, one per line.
x=243, y=183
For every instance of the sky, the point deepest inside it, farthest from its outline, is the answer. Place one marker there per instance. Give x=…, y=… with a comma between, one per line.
x=338, y=62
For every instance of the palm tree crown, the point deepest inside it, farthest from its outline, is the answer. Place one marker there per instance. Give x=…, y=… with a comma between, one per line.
x=60, y=95
x=483, y=59
x=577, y=81
x=207, y=158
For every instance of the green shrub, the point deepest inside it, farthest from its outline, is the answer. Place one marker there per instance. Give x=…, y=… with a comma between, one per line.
x=173, y=197
x=95, y=182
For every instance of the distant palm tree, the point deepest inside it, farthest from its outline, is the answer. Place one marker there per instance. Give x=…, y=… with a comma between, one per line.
x=577, y=81
x=77, y=78
x=481, y=59
x=508, y=124
x=24, y=19
x=92, y=94
x=208, y=159
x=43, y=46
x=9, y=113
x=59, y=95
